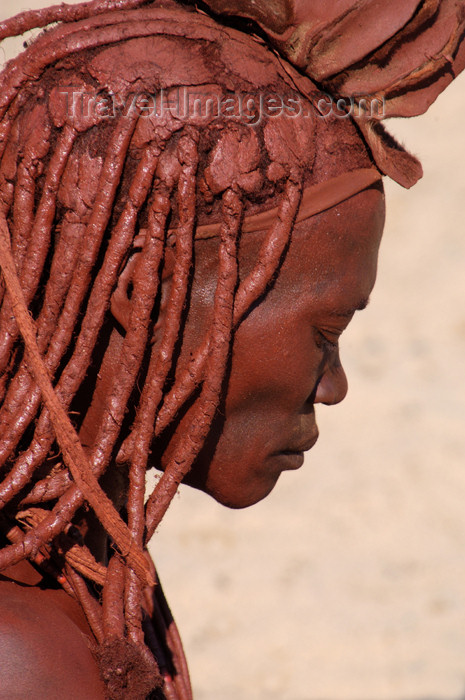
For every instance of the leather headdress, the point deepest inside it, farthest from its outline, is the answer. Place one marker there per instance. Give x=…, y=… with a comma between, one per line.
x=404, y=52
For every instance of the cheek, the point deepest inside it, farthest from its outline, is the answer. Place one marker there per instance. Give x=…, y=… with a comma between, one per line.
x=272, y=374
x=275, y=362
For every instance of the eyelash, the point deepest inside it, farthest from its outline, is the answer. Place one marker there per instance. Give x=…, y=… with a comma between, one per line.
x=327, y=343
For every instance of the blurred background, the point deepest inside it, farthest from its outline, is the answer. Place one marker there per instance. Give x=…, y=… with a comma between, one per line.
x=347, y=582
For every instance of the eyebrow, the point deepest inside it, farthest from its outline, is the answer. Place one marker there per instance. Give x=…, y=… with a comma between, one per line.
x=347, y=313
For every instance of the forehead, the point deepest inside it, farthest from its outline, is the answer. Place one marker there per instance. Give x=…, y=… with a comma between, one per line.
x=329, y=268
x=332, y=258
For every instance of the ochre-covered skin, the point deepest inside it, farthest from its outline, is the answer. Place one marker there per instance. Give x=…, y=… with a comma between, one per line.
x=127, y=340
x=285, y=358
x=45, y=641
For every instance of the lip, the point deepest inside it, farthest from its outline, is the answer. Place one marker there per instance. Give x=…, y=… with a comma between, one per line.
x=294, y=456
x=290, y=460
x=304, y=446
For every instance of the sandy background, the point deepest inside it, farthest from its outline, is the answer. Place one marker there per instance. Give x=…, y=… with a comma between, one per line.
x=347, y=583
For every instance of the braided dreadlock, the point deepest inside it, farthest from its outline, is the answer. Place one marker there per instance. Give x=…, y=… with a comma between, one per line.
x=91, y=206
x=101, y=201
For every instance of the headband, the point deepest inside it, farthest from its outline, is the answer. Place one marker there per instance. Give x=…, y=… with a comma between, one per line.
x=315, y=199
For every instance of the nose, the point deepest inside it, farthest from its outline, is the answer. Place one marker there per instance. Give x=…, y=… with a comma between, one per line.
x=332, y=387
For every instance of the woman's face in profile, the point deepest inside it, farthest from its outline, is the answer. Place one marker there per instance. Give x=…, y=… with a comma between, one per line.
x=285, y=354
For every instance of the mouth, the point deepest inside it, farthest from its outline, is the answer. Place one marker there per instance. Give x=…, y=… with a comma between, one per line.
x=294, y=456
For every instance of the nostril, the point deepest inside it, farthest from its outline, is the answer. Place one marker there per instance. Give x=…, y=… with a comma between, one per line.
x=333, y=386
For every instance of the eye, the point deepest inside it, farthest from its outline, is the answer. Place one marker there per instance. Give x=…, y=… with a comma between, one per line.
x=328, y=338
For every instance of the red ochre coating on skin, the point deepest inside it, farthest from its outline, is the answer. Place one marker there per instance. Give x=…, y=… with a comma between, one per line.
x=87, y=403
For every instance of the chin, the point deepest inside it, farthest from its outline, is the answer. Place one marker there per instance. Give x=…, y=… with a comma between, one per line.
x=237, y=496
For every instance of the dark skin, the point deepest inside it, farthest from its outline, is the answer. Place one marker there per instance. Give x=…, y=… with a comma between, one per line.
x=285, y=360
x=285, y=353
x=63, y=667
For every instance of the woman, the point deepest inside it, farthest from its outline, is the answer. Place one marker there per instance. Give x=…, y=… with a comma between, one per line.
x=147, y=212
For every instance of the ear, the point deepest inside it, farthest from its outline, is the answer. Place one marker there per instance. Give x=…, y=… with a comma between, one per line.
x=164, y=293
x=120, y=302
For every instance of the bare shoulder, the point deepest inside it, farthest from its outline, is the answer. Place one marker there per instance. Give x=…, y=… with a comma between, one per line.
x=44, y=650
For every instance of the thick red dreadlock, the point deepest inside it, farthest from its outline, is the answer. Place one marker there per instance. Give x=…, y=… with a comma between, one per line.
x=101, y=200
x=90, y=203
